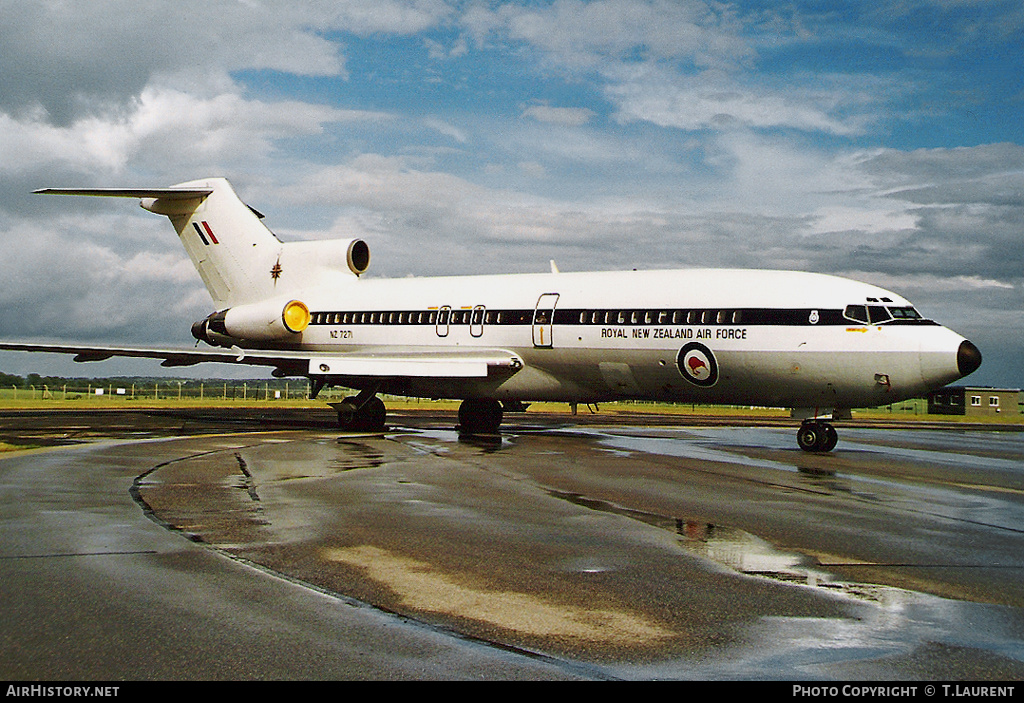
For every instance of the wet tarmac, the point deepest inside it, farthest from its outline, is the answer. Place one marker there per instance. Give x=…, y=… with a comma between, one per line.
x=232, y=545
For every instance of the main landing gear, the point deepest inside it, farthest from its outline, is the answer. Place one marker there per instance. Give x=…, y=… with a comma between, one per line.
x=817, y=436
x=480, y=416
x=366, y=413
x=361, y=414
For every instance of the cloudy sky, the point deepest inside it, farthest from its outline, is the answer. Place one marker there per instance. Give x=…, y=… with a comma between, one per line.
x=880, y=141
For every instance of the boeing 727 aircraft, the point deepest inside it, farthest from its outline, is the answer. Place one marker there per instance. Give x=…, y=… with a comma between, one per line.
x=815, y=343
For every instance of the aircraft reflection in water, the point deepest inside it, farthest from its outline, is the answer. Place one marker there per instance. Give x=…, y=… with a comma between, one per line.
x=819, y=344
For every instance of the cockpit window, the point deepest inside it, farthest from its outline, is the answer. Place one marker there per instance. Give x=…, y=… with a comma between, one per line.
x=905, y=313
x=878, y=314
x=857, y=313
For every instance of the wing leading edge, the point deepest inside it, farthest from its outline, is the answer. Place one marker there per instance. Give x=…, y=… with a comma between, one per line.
x=384, y=363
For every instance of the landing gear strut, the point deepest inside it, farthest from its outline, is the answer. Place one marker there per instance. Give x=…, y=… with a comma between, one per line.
x=817, y=436
x=480, y=416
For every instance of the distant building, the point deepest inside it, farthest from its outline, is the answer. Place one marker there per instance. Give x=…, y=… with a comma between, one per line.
x=974, y=400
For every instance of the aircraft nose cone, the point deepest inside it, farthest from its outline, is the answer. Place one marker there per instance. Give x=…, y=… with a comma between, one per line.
x=968, y=358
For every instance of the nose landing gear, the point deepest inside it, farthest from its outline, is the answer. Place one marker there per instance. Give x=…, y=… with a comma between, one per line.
x=817, y=436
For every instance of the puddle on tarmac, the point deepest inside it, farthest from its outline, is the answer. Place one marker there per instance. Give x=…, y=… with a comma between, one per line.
x=356, y=455
x=215, y=497
x=736, y=549
x=442, y=442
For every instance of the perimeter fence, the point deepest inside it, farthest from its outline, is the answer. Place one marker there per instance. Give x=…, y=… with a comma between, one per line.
x=169, y=391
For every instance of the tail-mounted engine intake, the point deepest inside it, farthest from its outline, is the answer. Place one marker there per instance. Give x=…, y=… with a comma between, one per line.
x=357, y=256
x=306, y=260
x=269, y=320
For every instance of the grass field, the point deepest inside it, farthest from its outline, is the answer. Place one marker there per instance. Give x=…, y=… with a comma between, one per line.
x=258, y=395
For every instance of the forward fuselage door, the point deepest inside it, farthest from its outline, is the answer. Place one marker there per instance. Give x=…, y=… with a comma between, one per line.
x=543, y=319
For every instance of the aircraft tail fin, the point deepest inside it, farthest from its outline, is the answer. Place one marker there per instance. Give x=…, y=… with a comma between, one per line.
x=238, y=258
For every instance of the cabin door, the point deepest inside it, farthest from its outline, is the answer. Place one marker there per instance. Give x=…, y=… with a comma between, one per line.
x=543, y=319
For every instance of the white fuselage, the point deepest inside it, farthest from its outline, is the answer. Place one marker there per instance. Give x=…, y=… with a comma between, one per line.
x=812, y=342
x=774, y=338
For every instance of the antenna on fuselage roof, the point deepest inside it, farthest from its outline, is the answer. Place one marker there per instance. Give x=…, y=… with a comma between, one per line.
x=554, y=267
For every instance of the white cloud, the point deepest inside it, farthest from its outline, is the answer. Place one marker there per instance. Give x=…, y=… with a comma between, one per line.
x=587, y=34
x=371, y=16
x=447, y=129
x=869, y=219
x=566, y=116
x=73, y=59
x=717, y=101
x=164, y=127
x=101, y=275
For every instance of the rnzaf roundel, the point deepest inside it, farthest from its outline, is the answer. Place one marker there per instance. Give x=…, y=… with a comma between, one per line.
x=698, y=365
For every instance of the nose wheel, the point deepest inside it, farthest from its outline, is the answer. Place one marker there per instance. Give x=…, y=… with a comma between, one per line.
x=817, y=436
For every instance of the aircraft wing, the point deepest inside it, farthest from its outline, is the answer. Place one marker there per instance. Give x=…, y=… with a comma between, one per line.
x=475, y=363
x=382, y=363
